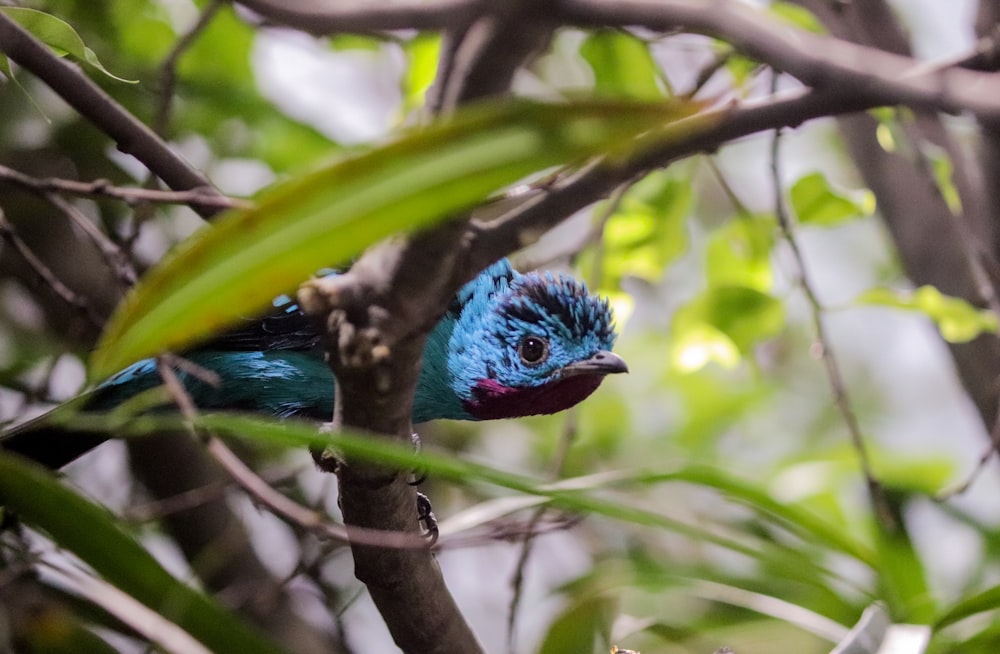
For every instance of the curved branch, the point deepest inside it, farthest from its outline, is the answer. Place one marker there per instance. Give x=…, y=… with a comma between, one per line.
x=543, y=210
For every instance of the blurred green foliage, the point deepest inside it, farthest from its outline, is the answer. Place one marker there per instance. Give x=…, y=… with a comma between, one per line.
x=733, y=510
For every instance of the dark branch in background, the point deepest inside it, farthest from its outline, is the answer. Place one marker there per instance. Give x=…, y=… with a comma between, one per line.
x=9, y=235
x=321, y=17
x=929, y=238
x=132, y=136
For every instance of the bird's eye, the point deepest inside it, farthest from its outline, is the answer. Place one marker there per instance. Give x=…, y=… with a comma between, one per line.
x=533, y=350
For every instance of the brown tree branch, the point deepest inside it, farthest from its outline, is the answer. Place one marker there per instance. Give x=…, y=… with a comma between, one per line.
x=376, y=319
x=544, y=209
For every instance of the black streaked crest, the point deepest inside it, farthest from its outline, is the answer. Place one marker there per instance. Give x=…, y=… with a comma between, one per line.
x=537, y=298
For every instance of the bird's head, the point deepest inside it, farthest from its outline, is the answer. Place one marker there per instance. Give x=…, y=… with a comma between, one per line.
x=528, y=344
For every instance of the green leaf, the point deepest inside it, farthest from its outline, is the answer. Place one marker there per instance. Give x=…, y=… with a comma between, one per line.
x=944, y=175
x=816, y=203
x=92, y=534
x=234, y=267
x=741, y=69
x=571, y=495
x=744, y=315
x=739, y=253
x=58, y=35
x=648, y=231
x=812, y=527
x=901, y=573
x=957, y=320
x=622, y=65
x=578, y=628
x=987, y=600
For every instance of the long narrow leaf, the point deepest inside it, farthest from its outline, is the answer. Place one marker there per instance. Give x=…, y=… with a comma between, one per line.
x=796, y=564
x=988, y=600
x=234, y=267
x=804, y=522
x=91, y=533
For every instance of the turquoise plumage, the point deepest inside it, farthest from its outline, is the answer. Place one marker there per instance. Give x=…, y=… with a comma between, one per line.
x=509, y=345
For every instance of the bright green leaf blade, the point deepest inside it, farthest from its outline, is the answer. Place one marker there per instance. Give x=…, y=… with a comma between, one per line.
x=902, y=574
x=324, y=218
x=816, y=203
x=798, y=16
x=622, y=65
x=58, y=35
x=91, y=533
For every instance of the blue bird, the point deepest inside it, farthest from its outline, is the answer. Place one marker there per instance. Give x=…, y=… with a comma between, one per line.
x=509, y=345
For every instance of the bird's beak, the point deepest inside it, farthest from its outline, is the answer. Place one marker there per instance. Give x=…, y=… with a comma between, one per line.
x=602, y=363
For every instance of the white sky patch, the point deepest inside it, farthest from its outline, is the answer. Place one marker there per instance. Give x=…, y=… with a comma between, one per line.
x=351, y=96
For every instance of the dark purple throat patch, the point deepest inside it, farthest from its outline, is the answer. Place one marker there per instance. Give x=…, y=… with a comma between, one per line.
x=492, y=400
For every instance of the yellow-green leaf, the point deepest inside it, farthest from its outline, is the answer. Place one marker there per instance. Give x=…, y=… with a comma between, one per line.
x=957, y=320
x=422, y=52
x=622, y=65
x=816, y=203
x=724, y=322
x=739, y=253
x=234, y=267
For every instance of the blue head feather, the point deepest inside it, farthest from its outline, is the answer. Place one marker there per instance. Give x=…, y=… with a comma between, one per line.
x=480, y=346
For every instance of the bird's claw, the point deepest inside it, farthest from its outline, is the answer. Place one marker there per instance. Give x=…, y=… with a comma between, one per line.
x=427, y=519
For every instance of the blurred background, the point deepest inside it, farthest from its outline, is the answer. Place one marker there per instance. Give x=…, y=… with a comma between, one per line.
x=728, y=404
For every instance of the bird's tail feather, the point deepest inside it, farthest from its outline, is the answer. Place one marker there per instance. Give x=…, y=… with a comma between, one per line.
x=50, y=439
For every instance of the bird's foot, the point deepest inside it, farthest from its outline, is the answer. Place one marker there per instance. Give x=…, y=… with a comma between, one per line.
x=427, y=519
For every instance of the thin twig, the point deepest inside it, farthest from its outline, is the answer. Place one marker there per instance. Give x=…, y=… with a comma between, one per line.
x=570, y=426
x=168, y=69
x=102, y=188
x=834, y=376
